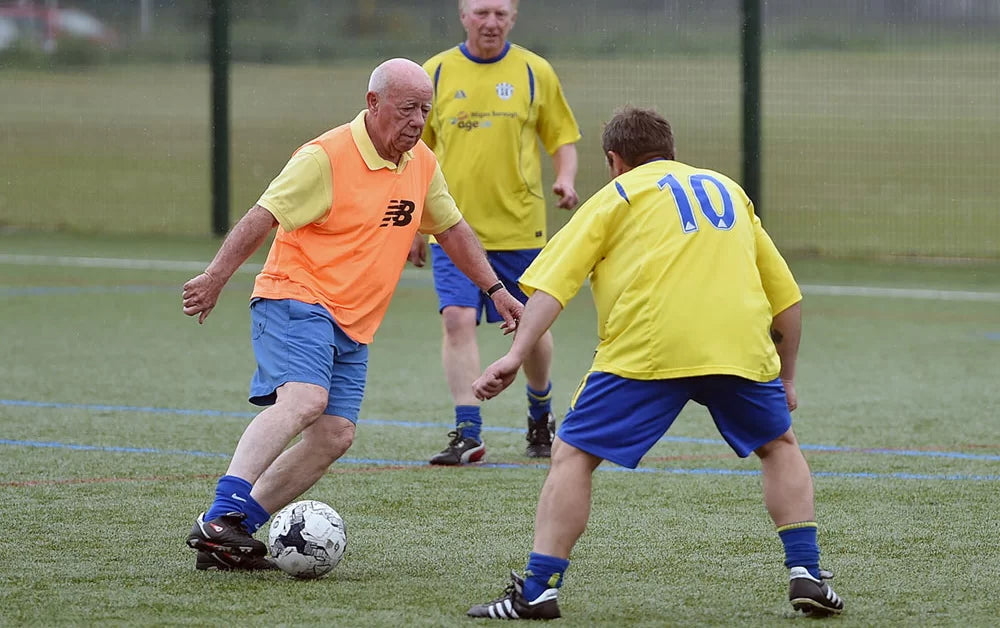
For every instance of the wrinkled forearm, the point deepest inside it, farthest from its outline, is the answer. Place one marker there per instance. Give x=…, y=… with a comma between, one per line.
x=246, y=236
x=466, y=251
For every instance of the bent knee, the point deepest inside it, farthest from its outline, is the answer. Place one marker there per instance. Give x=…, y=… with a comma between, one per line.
x=305, y=402
x=564, y=454
x=786, y=440
x=341, y=441
x=331, y=434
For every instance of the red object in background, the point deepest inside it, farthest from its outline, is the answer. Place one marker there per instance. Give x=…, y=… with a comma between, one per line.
x=46, y=24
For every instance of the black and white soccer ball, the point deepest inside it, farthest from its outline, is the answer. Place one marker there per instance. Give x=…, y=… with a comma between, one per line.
x=307, y=539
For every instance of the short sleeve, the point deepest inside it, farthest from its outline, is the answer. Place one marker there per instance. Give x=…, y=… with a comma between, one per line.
x=432, y=67
x=302, y=193
x=570, y=256
x=779, y=285
x=556, y=124
x=440, y=211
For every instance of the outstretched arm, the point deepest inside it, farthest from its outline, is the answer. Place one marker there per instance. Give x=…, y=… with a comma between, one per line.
x=786, y=331
x=540, y=312
x=466, y=251
x=202, y=292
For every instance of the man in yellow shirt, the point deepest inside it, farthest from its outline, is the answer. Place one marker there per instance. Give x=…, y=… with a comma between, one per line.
x=493, y=102
x=694, y=302
x=346, y=206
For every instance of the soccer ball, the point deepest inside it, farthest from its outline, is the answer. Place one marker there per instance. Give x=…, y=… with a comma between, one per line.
x=307, y=539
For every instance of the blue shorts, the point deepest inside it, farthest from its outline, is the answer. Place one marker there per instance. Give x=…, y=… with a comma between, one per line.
x=454, y=288
x=300, y=342
x=620, y=419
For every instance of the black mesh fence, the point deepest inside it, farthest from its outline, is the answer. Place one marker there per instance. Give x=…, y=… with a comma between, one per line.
x=881, y=119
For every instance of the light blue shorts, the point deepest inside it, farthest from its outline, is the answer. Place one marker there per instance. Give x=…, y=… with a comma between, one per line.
x=620, y=419
x=454, y=288
x=300, y=342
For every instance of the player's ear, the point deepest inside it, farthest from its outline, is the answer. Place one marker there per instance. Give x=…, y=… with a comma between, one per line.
x=371, y=98
x=616, y=164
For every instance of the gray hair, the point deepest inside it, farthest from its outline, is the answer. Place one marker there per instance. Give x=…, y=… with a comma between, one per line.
x=463, y=3
x=394, y=70
x=379, y=80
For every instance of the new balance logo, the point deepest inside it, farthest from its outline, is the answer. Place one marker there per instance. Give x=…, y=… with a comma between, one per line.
x=399, y=215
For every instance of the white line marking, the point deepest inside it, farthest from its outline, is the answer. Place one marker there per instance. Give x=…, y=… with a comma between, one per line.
x=900, y=293
x=112, y=262
x=410, y=273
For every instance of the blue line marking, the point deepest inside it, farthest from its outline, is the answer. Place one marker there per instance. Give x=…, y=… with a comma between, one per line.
x=916, y=453
x=36, y=291
x=485, y=428
x=109, y=408
x=117, y=450
x=381, y=462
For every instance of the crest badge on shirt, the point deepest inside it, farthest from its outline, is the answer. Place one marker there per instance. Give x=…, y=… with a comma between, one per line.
x=505, y=91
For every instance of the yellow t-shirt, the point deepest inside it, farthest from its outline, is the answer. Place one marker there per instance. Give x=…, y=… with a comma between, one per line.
x=684, y=277
x=485, y=123
x=301, y=192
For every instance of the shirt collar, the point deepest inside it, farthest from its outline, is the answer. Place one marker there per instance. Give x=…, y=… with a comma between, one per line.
x=366, y=147
x=471, y=57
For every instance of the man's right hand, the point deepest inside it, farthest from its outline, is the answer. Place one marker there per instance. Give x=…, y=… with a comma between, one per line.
x=200, y=295
x=509, y=308
x=790, y=395
x=566, y=193
x=496, y=378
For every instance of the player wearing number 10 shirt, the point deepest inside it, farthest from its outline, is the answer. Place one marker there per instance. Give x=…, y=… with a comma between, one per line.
x=694, y=303
x=683, y=275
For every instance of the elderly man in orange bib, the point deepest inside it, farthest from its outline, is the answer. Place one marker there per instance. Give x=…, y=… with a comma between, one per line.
x=347, y=207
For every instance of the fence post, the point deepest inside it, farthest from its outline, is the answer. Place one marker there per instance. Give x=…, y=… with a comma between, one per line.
x=751, y=55
x=219, y=10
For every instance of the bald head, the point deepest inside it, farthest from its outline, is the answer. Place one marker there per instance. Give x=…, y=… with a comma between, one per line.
x=399, y=100
x=397, y=73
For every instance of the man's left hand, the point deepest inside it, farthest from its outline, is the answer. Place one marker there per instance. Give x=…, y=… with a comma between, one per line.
x=566, y=193
x=418, y=251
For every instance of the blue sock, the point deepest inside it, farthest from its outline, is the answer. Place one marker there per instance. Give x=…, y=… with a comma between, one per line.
x=801, y=548
x=539, y=402
x=256, y=515
x=543, y=572
x=232, y=494
x=468, y=420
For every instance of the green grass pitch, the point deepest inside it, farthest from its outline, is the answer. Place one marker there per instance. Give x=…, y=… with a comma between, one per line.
x=117, y=413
